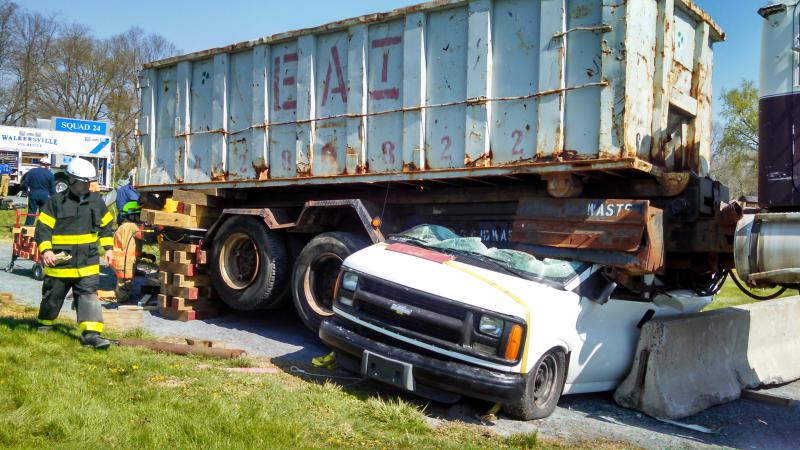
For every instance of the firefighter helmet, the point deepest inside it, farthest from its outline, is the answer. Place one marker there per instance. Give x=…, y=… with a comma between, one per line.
x=82, y=170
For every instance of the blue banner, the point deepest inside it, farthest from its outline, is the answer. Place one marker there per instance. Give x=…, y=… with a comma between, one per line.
x=80, y=126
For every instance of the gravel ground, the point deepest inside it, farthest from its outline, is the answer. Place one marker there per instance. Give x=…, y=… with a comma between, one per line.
x=578, y=418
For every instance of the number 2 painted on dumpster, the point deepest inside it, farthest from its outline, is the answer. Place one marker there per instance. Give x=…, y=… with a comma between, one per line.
x=517, y=150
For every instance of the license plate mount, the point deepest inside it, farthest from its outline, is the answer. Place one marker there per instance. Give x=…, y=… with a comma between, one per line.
x=387, y=370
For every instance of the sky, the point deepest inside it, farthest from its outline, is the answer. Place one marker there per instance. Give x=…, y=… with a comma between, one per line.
x=202, y=24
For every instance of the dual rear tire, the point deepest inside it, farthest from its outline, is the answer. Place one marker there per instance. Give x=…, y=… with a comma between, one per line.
x=253, y=270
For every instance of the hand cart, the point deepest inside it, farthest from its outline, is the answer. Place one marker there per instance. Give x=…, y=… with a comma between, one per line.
x=25, y=246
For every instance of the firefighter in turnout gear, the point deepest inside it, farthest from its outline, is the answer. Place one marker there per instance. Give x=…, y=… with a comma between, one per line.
x=70, y=225
x=127, y=250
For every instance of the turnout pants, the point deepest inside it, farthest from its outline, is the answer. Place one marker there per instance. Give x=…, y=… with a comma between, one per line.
x=84, y=294
x=4, y=179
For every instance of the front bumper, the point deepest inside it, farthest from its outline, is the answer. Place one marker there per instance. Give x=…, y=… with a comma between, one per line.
x=447, y=376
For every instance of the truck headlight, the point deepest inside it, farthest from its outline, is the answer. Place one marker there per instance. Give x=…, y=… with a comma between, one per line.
x=349, y=281
x=346, y=286
x=491, y=326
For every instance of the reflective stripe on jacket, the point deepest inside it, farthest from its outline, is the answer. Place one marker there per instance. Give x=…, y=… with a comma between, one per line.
x=73, y=227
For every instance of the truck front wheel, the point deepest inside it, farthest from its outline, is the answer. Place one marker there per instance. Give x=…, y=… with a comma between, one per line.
x=315, y=274
x=251, y=264
x=542, y=388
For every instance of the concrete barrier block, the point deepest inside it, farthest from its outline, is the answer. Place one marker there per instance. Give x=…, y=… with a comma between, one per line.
x=686, y=364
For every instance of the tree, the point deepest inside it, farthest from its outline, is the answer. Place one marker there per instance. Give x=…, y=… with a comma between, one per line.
x=735, y=145
x=27, y=41
x=49, y=68
x=130, y=51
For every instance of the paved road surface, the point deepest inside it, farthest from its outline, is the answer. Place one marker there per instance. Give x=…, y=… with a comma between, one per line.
x=586, y=418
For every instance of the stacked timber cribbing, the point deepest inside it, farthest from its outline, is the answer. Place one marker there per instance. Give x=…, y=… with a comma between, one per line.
x=186, y=292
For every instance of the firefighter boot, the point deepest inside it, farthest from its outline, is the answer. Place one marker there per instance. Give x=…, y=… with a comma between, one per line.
x=94, y=340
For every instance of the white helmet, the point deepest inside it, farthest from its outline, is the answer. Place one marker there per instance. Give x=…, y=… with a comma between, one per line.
x=82, y=170
x=44, y=160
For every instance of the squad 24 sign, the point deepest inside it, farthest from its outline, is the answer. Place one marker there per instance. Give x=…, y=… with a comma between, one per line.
x=80, y=126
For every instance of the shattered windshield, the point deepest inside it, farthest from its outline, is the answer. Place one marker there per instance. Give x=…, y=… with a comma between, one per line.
x=516, y=262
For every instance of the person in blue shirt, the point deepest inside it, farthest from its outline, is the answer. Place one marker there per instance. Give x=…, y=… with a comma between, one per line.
x=125, y=193
x=5, y=177
x=40, y=184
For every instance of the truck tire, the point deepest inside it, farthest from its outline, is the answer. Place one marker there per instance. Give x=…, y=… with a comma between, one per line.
x=542, y=388
x=250, y=266
x=315, y=273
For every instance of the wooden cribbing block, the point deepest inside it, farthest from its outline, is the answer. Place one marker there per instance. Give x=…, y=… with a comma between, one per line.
x=197, y=198
x=190, y=281
x=189, y=293
x=166, y=255
x=182, y=304
x=163, y=301
x=182, y=257
x=176, y=220
x=177, y=268
x=180, y=246
x=202, y=257
x=186, y=316
x=197, y=211
x=6, y=297
x=123, y=318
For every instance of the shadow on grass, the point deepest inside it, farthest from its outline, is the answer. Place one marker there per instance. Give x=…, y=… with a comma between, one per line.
x=31, y=325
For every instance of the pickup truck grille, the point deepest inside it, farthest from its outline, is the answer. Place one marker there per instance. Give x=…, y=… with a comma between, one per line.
x=413, y=313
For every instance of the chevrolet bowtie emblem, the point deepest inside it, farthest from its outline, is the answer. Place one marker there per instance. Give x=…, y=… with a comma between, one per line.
x=401, y=309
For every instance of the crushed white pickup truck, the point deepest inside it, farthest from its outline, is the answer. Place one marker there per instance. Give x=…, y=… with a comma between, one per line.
x=443, y=316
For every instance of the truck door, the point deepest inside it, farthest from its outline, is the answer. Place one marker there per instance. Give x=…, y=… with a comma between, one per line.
x=779, y=107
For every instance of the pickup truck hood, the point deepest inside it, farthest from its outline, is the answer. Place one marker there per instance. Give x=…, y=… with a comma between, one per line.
x=456, y=281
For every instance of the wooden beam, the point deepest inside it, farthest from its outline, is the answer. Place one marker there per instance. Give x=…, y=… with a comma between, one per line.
x=197, y=198
x=176, y=220
x=767, y=397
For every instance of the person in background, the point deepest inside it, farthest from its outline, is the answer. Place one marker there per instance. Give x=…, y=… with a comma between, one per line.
x=126, y=193
x=5, y=177
x=40, y=184
x=127, y=250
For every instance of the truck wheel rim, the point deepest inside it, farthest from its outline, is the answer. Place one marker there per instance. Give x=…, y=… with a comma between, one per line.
x=239, y=261
x=544, y=382
x=319, y=281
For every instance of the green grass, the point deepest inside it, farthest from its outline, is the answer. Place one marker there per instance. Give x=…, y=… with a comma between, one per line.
x=7, y=219
x=730, y=295
x=55, y=394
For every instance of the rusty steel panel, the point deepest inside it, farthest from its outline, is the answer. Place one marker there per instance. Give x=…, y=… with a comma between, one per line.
x=454, y=85
x=622, y=233
x=600, y=225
